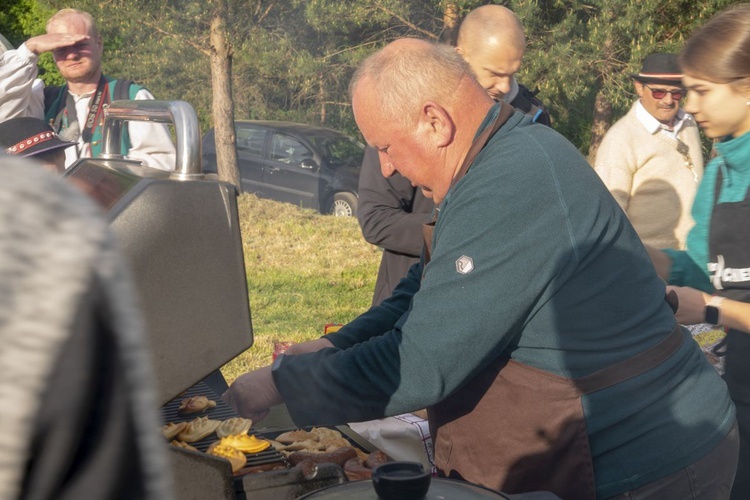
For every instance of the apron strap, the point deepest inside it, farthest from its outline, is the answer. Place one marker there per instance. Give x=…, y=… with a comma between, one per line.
x=506, y=111
x=631, y=367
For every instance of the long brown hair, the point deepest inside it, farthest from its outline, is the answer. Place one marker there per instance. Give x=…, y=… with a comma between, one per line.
x=719, y=51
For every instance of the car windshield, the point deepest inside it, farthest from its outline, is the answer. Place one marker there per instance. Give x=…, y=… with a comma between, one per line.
x=339, y=151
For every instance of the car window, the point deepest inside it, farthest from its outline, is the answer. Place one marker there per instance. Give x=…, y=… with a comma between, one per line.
x=289, y=150
x=339, y=151
x=251, y=140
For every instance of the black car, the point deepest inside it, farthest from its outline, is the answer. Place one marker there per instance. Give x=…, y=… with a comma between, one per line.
x=310, y=166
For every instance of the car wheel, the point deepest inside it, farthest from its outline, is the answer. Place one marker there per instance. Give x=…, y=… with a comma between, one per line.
x=343, y=205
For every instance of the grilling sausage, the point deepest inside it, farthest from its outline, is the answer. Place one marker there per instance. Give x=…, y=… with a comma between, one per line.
x=338, y=457
x=355, y=471
x=257, y=469
x=376, y=458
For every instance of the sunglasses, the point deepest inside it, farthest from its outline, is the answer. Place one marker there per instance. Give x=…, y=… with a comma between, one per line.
x=660, y=93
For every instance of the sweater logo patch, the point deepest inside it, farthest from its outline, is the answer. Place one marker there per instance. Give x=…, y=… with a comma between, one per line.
x=464, y=264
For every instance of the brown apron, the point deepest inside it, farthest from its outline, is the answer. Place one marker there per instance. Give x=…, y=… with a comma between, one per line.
x=515, y=428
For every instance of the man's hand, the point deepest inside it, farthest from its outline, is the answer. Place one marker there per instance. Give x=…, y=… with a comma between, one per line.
x=309, y=346
x=692, y=305
x=54, y=41
x=252, y=394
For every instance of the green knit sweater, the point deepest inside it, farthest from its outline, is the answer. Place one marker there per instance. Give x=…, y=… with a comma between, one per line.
x=560, y=282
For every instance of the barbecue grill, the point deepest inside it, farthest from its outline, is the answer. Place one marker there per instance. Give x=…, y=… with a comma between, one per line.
x=180, y=233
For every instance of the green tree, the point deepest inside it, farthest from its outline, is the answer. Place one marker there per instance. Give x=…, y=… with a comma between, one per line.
x=581, y=53
x=22, y=19
x=344, y=33
x=292, y=59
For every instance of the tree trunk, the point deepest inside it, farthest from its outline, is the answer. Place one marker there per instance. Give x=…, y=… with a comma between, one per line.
x=322, y=100
x=602, y=106
x=222, y=104
x=600, y=123
x=450, y=23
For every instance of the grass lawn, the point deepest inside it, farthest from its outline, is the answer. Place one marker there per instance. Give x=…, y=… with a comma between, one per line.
x=303, y=270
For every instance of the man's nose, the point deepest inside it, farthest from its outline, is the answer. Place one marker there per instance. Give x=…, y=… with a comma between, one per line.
x=502, y=85
x=65, y=53
x=386, y=168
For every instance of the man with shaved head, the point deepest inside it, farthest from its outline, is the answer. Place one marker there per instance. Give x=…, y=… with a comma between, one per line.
x=492, y=41
x=534, y=329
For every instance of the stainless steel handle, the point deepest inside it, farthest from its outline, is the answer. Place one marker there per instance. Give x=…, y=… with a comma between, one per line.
x=178, y=113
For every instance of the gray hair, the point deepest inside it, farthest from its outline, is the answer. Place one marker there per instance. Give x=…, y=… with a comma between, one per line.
x=403, y=78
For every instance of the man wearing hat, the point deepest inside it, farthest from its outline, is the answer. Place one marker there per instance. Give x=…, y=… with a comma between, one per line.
x=32, y=137
x=651, y=158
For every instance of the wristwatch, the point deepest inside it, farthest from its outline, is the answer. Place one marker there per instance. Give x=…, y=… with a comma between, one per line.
x=276, y=362
x=713, y=310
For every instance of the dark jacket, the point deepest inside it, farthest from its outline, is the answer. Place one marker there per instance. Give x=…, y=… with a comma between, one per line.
x=527, y=102
x=391, y=213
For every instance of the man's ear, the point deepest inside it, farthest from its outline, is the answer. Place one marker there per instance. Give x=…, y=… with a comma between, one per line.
x=638, y=88
x=436, y=124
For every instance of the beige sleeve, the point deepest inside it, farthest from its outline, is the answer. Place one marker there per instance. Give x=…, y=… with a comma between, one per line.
x=616, y=165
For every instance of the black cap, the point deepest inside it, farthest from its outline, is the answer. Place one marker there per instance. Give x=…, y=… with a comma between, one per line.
x=660, y=68
x=29, y=136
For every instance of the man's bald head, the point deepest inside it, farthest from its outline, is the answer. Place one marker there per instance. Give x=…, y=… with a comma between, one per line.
x=492, y=41
x=418, y=104
x=493, y=25
x=410, y=71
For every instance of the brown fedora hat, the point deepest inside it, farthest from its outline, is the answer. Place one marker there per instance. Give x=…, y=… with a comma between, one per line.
x=660, y=68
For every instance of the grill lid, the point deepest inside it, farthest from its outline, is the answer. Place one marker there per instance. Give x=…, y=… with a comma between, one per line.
x=180, y=233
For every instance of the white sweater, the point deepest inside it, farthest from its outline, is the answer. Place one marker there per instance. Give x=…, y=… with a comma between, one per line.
x=649, y=178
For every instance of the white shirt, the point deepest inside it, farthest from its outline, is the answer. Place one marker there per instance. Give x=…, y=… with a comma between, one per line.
x=653, y=125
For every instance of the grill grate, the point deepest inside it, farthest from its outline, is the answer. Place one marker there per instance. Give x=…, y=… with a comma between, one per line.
x=221, y=411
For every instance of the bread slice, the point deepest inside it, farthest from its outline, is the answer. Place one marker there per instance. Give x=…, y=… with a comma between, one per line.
x=197, y=429
x=195, y=404
x=170, y=429
x=232, y=426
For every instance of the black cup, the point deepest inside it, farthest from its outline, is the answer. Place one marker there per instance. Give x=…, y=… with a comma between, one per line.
x=401, y=481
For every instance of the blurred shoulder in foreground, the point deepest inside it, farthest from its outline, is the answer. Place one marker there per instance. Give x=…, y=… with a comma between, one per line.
x=80, y=415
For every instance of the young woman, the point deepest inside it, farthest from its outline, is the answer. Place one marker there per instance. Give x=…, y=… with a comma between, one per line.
x=714, y=273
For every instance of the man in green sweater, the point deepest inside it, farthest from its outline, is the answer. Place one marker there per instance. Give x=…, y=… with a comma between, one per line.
x=534, y=330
